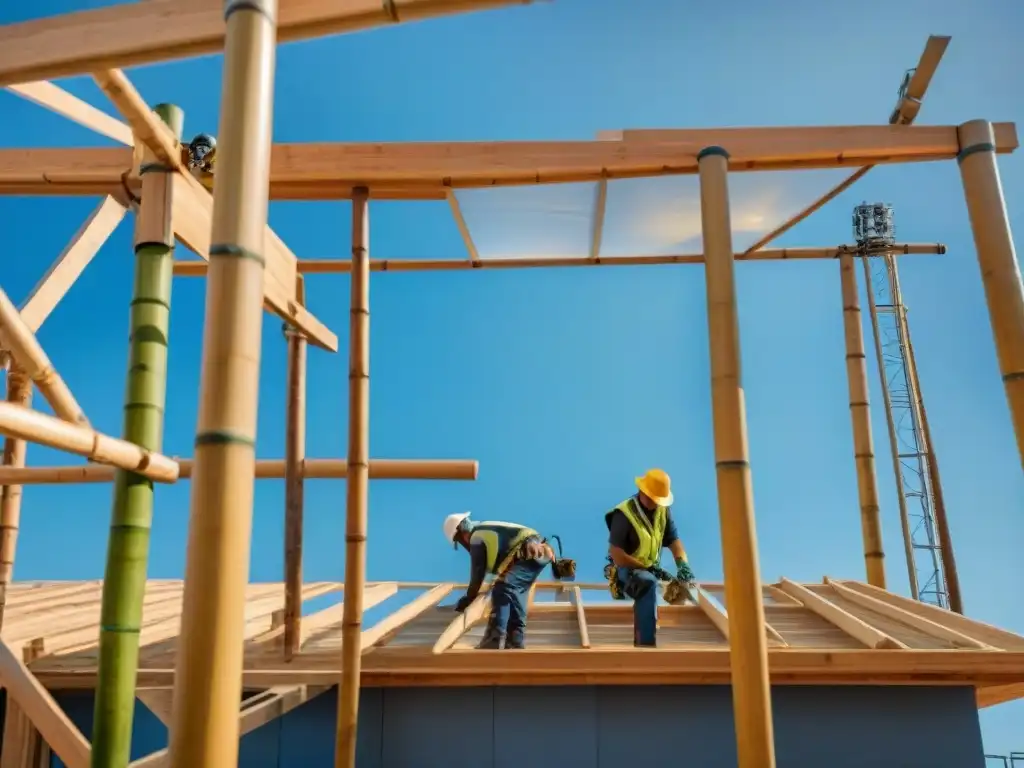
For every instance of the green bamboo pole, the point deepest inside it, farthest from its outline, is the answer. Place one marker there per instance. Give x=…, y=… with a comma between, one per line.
x=124, y=582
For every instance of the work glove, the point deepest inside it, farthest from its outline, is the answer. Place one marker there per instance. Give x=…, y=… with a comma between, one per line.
x=463, y=604
x=685, y=573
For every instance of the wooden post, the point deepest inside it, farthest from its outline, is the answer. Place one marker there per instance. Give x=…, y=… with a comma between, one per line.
x=860, y=415
x=19, y=392
x=358, y=484
x=747, y=640
x=124, y=582
x=208, y=678
x=294, y=455
x=1000, y=273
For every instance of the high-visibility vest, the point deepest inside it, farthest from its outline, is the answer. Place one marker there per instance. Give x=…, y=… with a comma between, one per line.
x=649, y=533
x=501, y=541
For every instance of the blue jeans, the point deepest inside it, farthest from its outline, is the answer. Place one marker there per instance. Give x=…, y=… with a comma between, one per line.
x=509, y=597
x=642, y=587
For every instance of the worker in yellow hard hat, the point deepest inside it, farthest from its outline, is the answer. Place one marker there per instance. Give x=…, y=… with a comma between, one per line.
x=638, y=529
x=515, y=555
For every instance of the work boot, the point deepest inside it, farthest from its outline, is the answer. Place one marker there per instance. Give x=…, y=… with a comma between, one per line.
x=491, y=640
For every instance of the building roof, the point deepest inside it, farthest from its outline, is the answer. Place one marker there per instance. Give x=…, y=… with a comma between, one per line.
x=837, y=632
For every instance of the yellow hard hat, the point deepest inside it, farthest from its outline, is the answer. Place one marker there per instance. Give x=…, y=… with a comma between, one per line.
x=656, y=485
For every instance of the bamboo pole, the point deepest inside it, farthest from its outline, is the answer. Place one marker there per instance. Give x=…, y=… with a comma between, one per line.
x=295, y=454
x=894, y=446
x=949, y=571
x=997, y=258
x=341, y=266
x=266, y=469
x=124, y=582
x=208, y=678
x=358, y=484
x=19, y=393
x=26, y=424
x=18, y=339
x=860, y=415
x=747, y=644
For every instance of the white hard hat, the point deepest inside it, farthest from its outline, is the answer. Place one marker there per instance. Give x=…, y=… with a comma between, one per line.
x=451, y=525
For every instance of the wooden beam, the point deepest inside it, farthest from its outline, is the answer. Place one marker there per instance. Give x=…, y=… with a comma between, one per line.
x=162, y=30
x=144, y=122
x=427, y=171
x=832, y=613
x=45, y=714
x=404, y=615
x=597, y=218
x=716, y=612
x=294, y=482
x=343, y=266
x=61, y=275
x=921, y=624
x=576, y=598
x=193, y=211
x=478, y=610
x=158, y=701
x=56, y=99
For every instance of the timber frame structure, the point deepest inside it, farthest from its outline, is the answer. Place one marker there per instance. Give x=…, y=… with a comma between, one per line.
x=199, y=634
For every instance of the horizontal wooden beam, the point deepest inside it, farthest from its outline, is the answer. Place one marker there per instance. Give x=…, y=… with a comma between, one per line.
x=340, y=266
x=582, y=666
x=159, y=30
x=311, y=469
x=429, y=170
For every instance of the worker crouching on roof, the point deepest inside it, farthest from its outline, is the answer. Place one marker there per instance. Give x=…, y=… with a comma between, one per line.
x=515, y=555
x=638, y=529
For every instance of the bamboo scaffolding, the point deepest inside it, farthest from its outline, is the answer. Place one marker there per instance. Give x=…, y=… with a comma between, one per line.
x=860, y=415
x=266, y=469
x=26, y=424
x=358, y=486
x=894, y=447
x=19, y=394
x=295, y=454
x=747, y=640
x=208, y=679
x=124, y=581
x=1000, y=272
x=343, y=266
x=18, y=339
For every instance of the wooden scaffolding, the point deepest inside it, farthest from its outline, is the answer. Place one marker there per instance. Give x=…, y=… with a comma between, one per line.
x=200, y=635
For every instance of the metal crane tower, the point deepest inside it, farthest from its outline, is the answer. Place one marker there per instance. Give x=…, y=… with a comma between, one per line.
x=914, y=465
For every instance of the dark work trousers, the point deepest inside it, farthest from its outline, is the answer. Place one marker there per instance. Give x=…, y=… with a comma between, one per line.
x=642, y=587
x=509, y=596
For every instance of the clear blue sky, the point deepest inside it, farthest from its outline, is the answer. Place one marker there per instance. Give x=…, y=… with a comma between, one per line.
x=565, y=384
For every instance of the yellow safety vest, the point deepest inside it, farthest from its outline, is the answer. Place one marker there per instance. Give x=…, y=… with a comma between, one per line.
x=651, y=535
x=497, y=538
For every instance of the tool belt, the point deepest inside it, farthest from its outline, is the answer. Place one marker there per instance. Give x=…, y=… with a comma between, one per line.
x=563, y=568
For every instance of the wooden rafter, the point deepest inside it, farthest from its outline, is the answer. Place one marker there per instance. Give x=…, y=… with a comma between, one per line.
x=428, y=170
x=84, y=246
x=478, y=610
x=576, y=597
x=716, y=612
x=318, y=622
x=870, y=636
x=144, y=122
x=406, y=614
x=56, y=99
x=597, y=218
x=159, y=30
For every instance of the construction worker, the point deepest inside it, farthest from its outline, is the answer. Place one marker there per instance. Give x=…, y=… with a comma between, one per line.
x=638, y=529
x=515, y=555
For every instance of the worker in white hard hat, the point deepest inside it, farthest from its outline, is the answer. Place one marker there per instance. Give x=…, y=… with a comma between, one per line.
x=515, y=555
x=638, y=529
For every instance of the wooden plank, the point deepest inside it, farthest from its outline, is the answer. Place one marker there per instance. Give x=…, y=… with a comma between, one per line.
x=161, y=30
x=581, y=616
x=928, y=627
x=428, y=170
x=84, y=246
x=46, y=715
x=986, y=633
x=193, y=209
x=850, y=624
x=478, y=610
x=56, y=99
x=404, y=615
x=460, y=222
x=159, y=701
x=322, y=621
